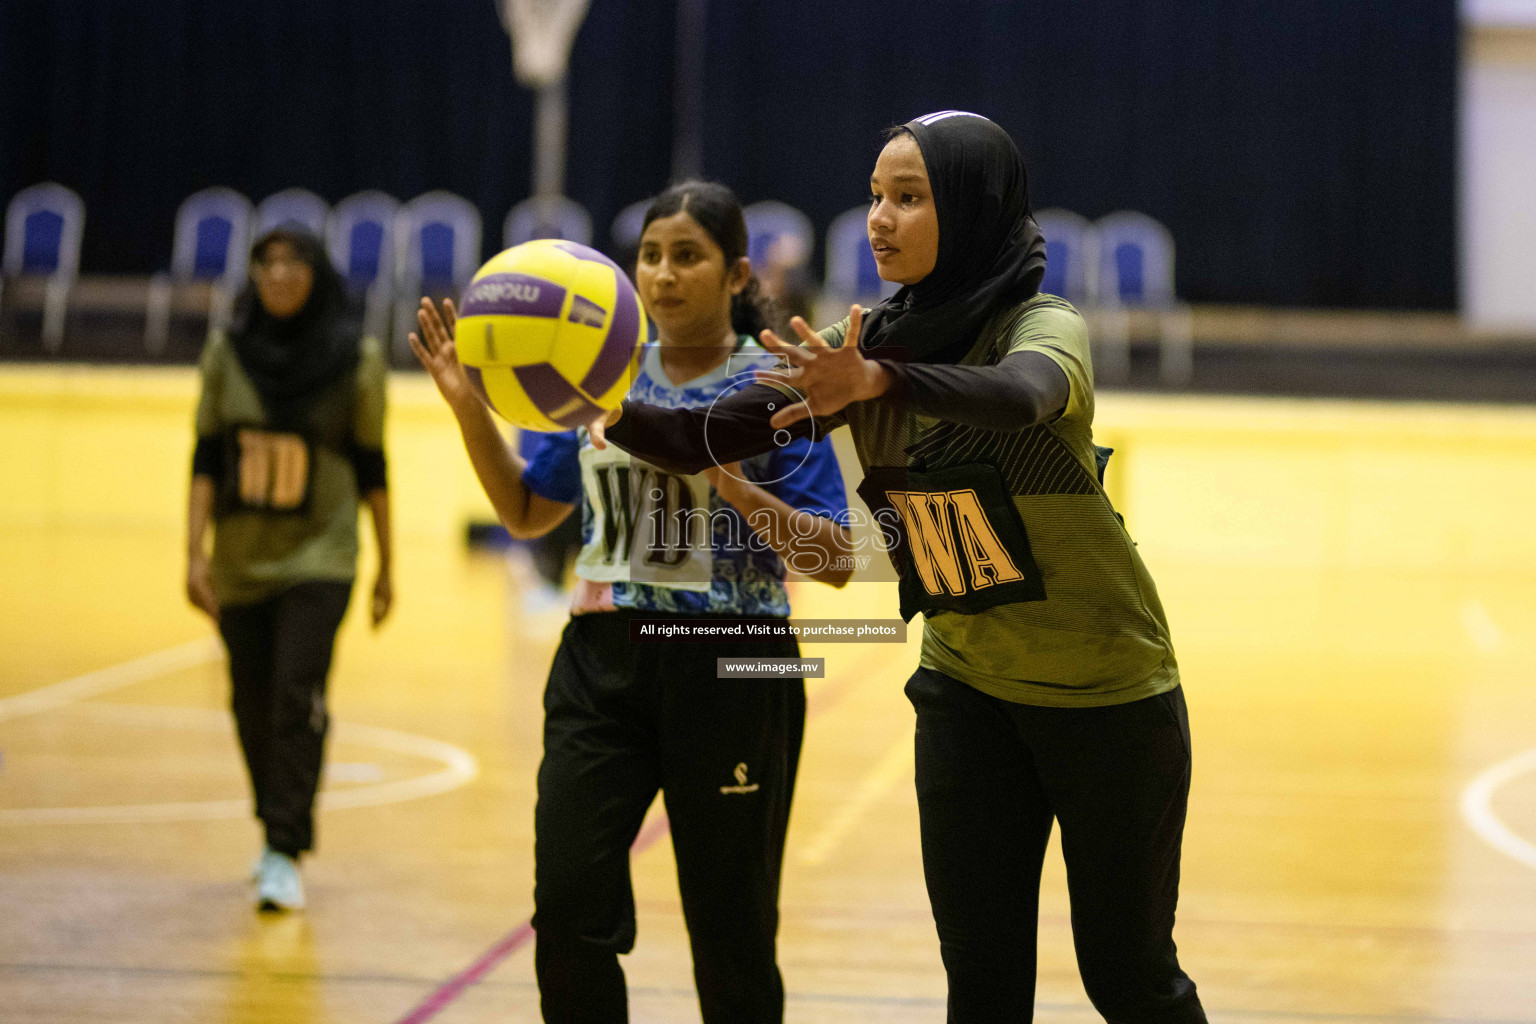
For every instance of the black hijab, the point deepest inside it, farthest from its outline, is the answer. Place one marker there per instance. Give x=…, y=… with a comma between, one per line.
x=291, y=361
x=991, y=252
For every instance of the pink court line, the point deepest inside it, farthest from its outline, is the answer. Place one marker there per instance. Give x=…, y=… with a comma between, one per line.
x=508, y=944
x=518, y=937
x=454, y=987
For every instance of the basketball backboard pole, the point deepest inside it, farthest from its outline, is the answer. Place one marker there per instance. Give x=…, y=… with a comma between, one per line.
x=688, y=91
x=549, y=124
x=542, y=32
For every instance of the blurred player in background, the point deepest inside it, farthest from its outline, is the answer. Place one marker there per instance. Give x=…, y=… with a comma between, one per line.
x=290, y=435
x=624, y=719
x=1047, y=687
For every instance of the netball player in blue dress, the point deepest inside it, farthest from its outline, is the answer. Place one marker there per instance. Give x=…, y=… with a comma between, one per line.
x=626, y=719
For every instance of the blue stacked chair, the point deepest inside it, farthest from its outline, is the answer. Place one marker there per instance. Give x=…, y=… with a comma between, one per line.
x=1136, y=272
x=1071, y=255
x=547, y=217
x=1135, y=260
x=292, y=207
x=213, y=231
x=628, y=225
x=852, y=273
x=44, y=225
x=360, y=238
x=771, y=223
x=437, y=242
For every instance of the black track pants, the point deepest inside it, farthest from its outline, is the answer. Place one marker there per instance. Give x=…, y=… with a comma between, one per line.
x=279, y=657
x=621, y=721
x=991, y=777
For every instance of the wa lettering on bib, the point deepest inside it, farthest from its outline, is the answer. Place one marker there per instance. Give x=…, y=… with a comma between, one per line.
x=958, y=542
x=648, y=526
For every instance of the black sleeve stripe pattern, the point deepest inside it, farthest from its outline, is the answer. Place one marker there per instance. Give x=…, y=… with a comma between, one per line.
x=1032, y=461
x=370, y=467
x=208, y=457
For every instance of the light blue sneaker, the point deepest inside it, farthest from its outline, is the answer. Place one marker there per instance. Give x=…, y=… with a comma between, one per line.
x=261, y=858
x=278, y=886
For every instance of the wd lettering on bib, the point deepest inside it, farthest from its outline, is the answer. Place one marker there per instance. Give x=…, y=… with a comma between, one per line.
x=959, y=542
x=271, y=471
x=648, y=526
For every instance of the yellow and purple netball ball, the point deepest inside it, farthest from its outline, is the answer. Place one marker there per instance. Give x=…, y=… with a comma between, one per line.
x=550, y=333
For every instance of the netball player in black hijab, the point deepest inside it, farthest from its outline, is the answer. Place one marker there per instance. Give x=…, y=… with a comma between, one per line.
x=990, y=253
x=963, y=172
x=292, y=345
x=290, y=425
x=1047, y=690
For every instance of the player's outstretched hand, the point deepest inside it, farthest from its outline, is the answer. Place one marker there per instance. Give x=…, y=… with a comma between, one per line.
x=828, y=378
x=434, y=350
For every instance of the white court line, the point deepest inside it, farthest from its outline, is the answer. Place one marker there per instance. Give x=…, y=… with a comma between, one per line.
x=1477, y=808
x=459, y=768
x=459, y=765
x=892, y=768
x=113, y=677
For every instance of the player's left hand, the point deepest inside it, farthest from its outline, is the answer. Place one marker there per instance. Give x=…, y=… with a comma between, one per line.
x=829, y=378
x=383, y=597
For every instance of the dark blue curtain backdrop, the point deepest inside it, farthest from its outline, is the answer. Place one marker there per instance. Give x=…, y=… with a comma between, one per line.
x=1301, y=151
x=138, y=103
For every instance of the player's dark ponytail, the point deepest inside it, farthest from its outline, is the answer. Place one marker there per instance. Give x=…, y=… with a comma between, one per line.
x=752, y=312
x=715, y=208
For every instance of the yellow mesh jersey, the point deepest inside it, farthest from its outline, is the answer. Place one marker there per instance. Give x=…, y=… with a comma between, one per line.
x=1100, y=635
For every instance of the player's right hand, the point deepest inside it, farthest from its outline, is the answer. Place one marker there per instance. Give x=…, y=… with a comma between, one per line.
x=200, y=588
x=434, y=350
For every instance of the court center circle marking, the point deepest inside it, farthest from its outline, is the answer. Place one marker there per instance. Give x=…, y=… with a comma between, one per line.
x=1477, y=808
x=459, y=766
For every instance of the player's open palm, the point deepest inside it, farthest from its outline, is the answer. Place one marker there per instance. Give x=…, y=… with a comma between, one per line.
x=828, y=378
x=434, y=350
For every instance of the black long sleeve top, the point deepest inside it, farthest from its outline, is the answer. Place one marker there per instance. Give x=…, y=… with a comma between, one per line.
x=1019, y=391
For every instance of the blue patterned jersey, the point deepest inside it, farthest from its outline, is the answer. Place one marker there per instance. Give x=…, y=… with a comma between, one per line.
x=655, y=541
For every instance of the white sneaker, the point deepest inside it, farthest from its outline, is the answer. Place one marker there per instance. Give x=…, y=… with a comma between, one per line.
x=261, y=858
x=278, y=886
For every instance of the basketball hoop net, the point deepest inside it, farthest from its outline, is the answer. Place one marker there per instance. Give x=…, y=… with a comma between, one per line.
x=542, y=32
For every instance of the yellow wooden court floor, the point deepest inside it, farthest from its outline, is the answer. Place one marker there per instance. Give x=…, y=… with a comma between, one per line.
x=1352, y=590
